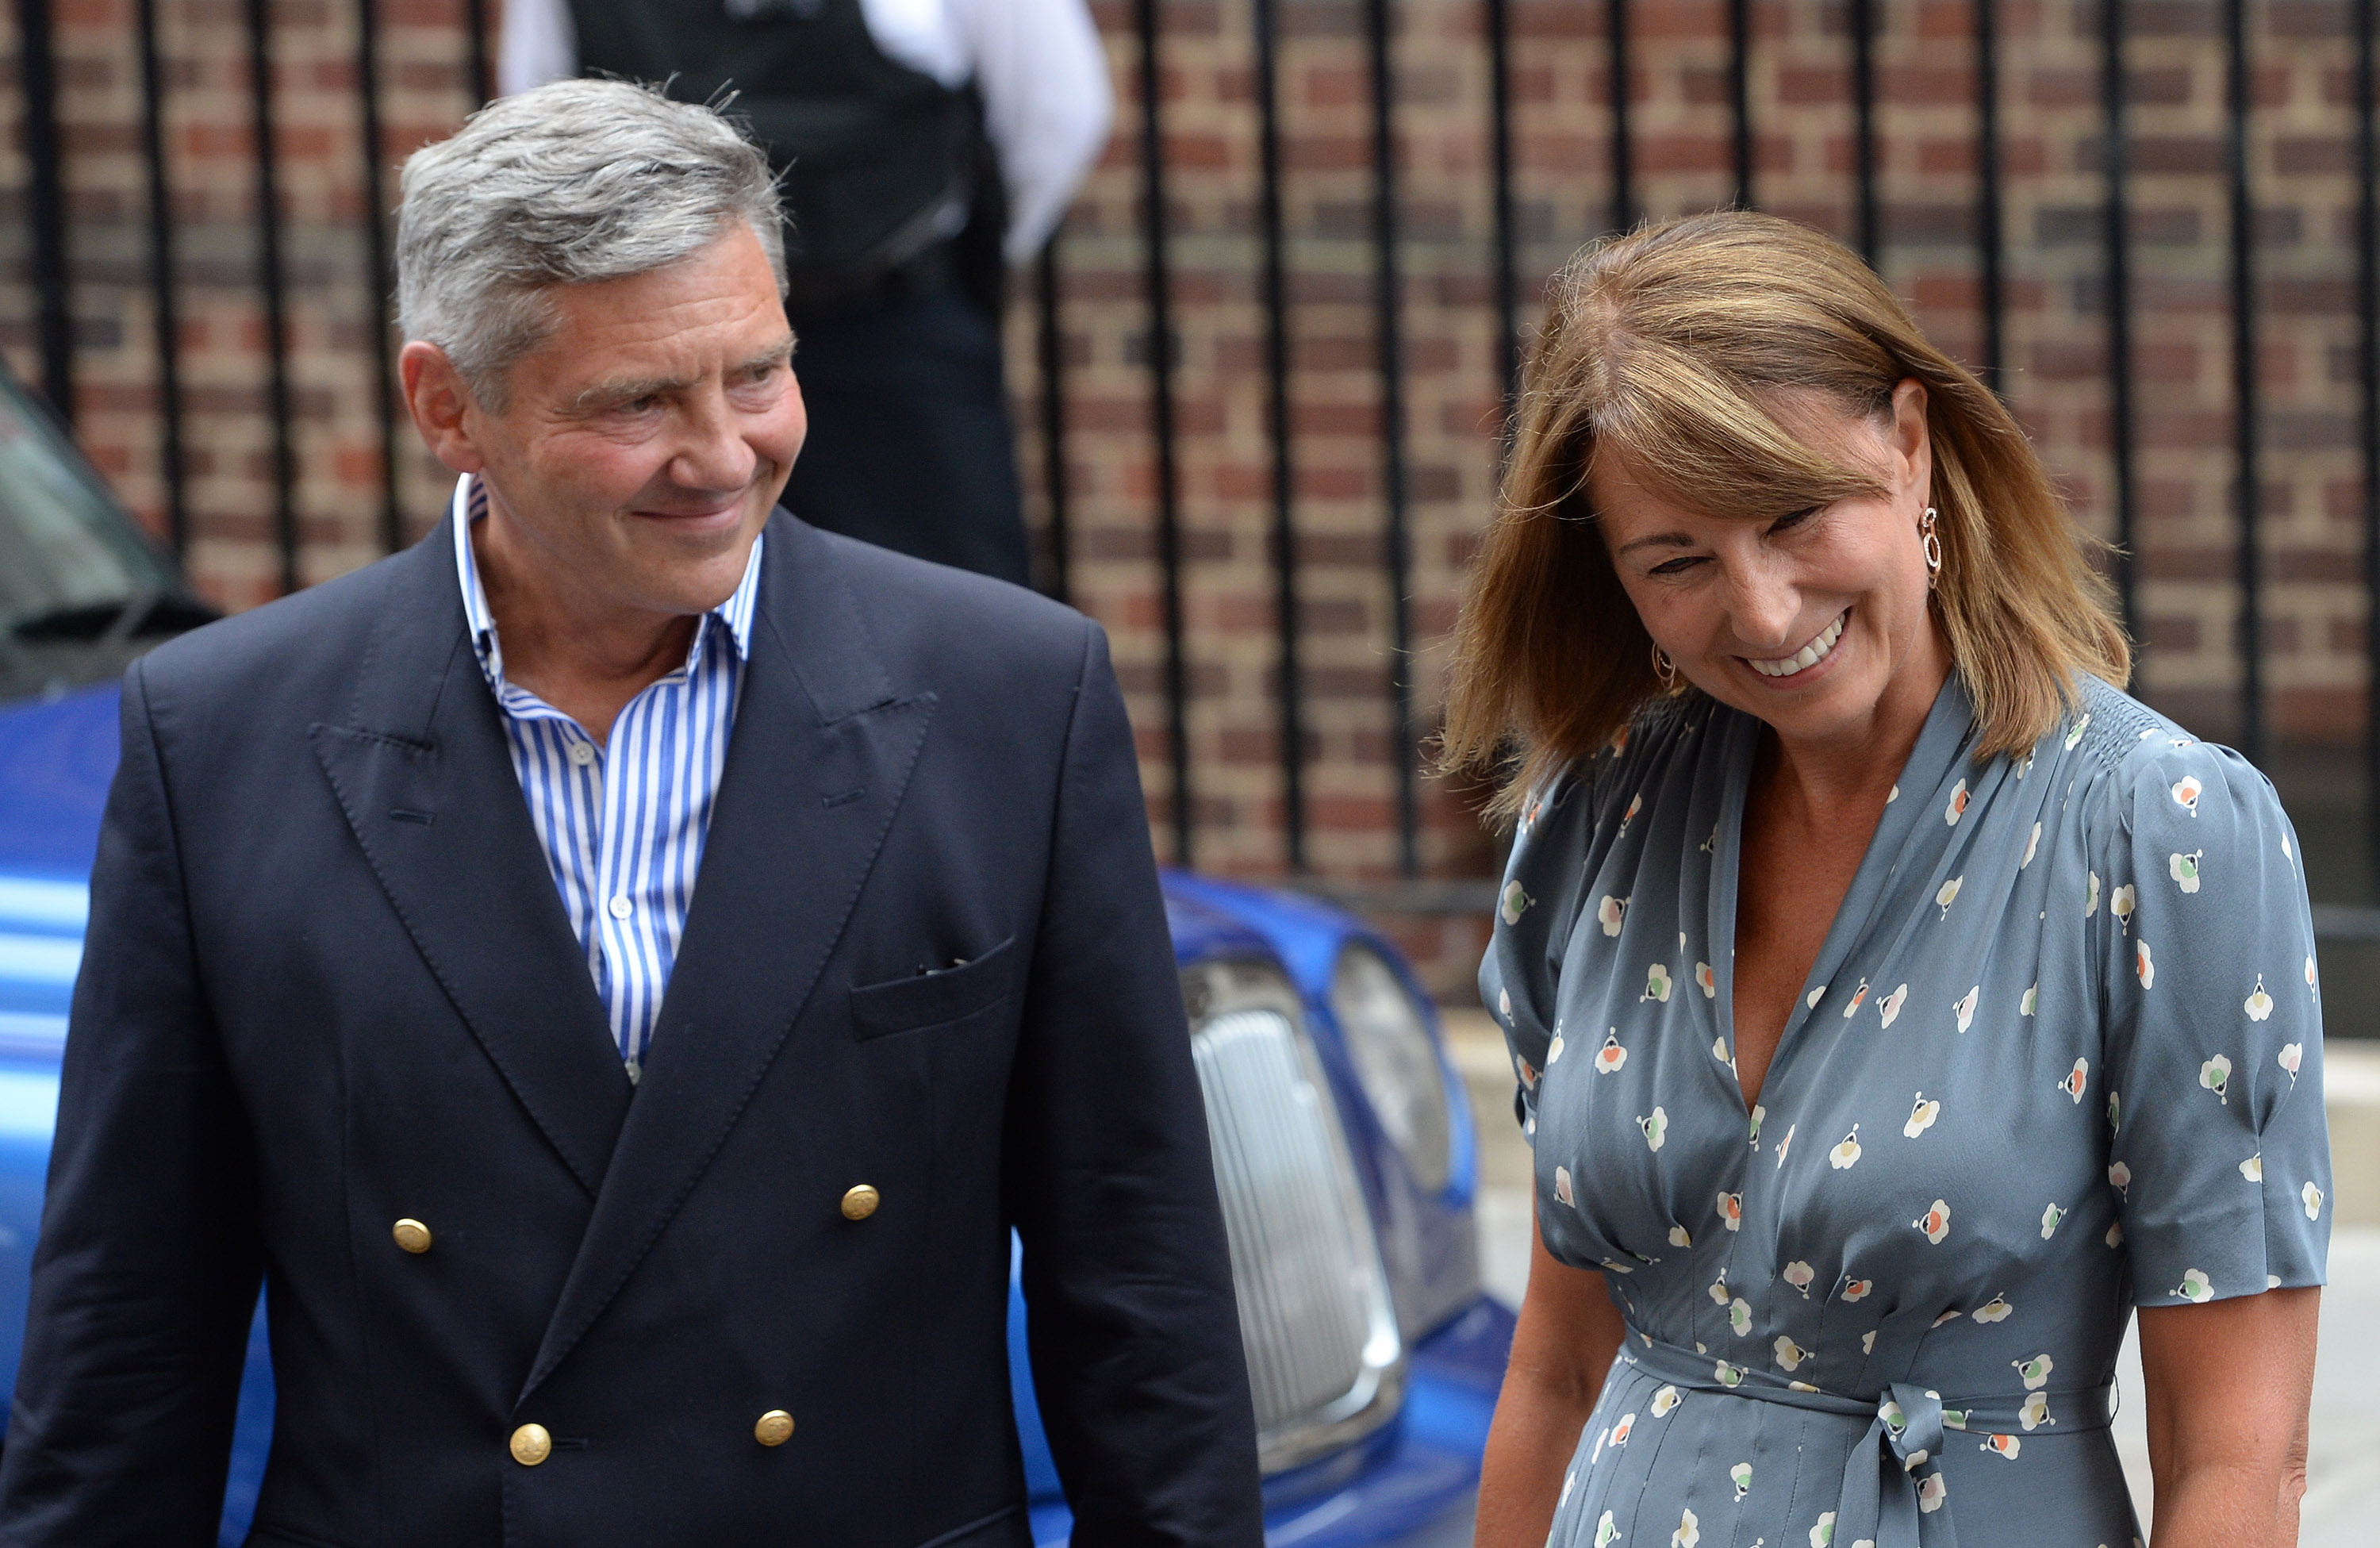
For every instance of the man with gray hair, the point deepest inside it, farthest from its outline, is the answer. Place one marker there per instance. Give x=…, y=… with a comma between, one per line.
x=618, y=971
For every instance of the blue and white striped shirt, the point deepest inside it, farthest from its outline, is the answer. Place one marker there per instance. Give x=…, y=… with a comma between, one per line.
x=622, y=824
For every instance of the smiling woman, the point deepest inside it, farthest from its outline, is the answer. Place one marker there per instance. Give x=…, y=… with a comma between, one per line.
x=1727, y=365
x=1820, y=707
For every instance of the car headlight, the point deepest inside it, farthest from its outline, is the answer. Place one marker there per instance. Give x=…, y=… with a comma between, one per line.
x=1395, y=1060
x=1318, y=1320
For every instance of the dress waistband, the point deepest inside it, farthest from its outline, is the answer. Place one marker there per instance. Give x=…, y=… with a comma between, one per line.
x=1893, y=1477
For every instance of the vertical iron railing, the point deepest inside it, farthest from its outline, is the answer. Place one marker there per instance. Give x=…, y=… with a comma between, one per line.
x=1739, y=89
x=1050, y=338
x=1865, y=215
x=1158, y=276
x=52, y=241
x=37, y=68
x=2115, y=89
x=483, y=86
x=2367, y=317
x=379, y=280
x=1990, y=292
x=1290, y=725
x=2239, y=87
x=1623, y=143
x=1499, y=19
x=1389, y=307
x=161, y=288
x=269, y=282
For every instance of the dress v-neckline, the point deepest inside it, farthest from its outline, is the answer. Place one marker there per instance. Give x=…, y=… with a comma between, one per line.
x=1940, y=742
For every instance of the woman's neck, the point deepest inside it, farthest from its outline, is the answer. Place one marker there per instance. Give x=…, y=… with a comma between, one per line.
x=1853, y=768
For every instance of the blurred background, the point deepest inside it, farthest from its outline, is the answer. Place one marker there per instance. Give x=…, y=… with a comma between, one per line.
x=1259, y=376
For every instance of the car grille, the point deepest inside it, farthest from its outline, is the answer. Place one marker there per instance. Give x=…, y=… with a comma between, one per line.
x=1324, y=1357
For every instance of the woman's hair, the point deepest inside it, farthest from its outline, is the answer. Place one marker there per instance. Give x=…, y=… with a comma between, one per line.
x=1674, y=346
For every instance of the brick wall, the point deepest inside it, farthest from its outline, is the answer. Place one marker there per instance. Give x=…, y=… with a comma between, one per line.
x=2302, y=156
x=331, y=303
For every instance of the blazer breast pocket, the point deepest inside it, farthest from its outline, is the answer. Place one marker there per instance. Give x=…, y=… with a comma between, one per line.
x=935, y=999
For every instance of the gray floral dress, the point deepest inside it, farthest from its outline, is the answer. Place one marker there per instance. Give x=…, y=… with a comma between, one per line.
x=2059, y=1055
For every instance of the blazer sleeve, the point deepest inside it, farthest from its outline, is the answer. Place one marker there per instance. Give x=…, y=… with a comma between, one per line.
x=1127, y=1272
x=146, y=1274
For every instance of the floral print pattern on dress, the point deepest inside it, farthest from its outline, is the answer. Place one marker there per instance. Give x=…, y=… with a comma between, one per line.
x=2092, y=959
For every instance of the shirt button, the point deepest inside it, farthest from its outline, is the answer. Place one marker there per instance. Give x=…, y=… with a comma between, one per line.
x=622, y=907
x=581, y=754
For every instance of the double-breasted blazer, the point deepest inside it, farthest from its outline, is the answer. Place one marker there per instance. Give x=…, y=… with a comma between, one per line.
x=329, y=984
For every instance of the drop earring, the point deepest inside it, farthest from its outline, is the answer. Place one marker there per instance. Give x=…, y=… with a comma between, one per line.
x=1665, y=669
x=1932, y=545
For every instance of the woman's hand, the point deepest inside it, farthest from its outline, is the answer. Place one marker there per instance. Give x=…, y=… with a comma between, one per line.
x=2228, y=1385
x=1568, y=1332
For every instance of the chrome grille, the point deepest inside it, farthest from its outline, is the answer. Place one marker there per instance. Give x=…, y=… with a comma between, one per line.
x=1324, y=1357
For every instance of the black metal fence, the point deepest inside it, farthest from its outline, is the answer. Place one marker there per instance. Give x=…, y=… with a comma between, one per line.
x=51, y=237
x=1990, y=240
x=37, y=68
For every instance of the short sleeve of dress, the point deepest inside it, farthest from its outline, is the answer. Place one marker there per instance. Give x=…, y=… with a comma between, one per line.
x=1533, y=906
x=2219, y=1149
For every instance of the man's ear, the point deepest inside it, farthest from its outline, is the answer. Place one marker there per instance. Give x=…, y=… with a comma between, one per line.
x=442, y=407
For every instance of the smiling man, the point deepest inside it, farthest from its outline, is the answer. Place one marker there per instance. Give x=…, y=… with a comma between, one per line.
x=618, y=971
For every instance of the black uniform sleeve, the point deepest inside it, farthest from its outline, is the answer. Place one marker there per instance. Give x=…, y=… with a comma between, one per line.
x=1127, y=1272
x=147, y=1269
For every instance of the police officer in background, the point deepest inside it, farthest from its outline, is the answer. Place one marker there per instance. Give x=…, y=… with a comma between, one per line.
x=924, y=145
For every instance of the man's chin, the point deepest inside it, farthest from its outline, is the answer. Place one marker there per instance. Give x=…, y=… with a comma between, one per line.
x=681, y=570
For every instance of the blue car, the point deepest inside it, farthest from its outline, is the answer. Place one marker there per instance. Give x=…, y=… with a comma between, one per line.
x=1343, y=1148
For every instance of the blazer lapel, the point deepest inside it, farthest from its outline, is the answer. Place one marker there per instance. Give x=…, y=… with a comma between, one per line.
x=428, y=788
x=822, y=753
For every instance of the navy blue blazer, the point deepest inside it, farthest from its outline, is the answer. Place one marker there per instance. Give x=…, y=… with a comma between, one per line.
x=329, y=984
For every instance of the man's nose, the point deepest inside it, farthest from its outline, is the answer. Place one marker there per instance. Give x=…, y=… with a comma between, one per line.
x=714, y=454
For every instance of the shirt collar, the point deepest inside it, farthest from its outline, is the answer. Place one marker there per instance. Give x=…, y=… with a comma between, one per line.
x=471, y=504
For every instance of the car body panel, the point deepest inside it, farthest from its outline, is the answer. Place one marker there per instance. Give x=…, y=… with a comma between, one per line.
x=1410, y=1484
x=56, y=761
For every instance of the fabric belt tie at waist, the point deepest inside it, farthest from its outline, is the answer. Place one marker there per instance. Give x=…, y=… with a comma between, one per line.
x=1893, y=1476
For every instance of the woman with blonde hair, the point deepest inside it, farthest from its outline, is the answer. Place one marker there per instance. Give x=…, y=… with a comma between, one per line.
x=1896, y=1004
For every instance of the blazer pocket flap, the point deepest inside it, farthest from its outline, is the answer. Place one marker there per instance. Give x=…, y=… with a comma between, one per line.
x=931, y=999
